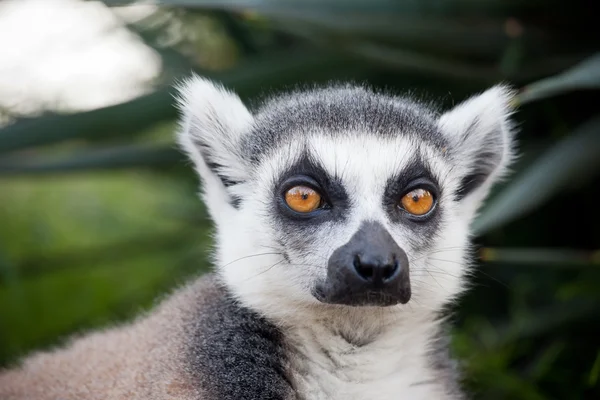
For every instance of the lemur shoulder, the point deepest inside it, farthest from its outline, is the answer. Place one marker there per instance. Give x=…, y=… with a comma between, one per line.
x=342, y=231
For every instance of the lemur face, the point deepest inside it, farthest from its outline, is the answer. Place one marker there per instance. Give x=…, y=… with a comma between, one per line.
x=341, y=196
x=352, y=211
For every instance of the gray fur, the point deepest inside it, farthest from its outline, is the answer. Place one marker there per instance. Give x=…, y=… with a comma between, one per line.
x=339, y=109
x=234, y=353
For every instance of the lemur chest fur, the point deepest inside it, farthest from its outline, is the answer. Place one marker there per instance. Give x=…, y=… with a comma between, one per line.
x=326, y=363
x=360, y=354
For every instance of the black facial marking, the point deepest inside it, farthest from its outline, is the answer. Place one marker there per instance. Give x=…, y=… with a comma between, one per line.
x=235, y=353
x=483, y=166
x=416, y=175
x=468, y=184
x=235, y=201
x=334, y=110
x=214, y=167
x=308, y=172
x=204, y=150
x=296, y=232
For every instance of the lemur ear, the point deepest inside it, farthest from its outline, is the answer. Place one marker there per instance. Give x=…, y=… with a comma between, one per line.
x=480, y=134
x=213, y=122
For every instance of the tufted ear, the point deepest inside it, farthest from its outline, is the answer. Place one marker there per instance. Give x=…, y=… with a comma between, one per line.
x=213, y=122
x=480, y=134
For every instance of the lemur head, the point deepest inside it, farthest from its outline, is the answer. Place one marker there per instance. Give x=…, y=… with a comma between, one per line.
x=341, y=196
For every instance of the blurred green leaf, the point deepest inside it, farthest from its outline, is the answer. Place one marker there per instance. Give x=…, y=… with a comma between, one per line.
x=422, y=51
x=262, y=73
x=563, y=258
x=108, y=253
x=545, y=360
x=424, y=63
x=574, y=156
x=372, y=6
x=487, y=37
x=585, y=75
x=540, y=321
x=7, y=269
x=465, y=37
x=173, y=62
x=122, y=119
x=391, y=57
x=85, y=160
x=238, y=31
x=595, y=372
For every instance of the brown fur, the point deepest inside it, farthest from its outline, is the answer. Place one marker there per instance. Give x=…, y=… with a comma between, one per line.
x=141, y=360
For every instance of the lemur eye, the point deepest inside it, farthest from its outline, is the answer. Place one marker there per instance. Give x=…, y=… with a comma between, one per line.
x=303, y=199
x=418, y=202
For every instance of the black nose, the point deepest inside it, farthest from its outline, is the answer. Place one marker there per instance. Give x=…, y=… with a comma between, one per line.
x=375, y=271
x=371, y=269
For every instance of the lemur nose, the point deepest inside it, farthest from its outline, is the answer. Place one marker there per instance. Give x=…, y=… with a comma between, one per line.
x=370, y=269
x=376, y=271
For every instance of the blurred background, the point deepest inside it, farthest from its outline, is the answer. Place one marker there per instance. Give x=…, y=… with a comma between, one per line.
x=98, y=210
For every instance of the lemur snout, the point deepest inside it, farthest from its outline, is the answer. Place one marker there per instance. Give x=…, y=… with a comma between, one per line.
x=370, y=270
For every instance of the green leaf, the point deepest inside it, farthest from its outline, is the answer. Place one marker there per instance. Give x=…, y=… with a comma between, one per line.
x=122, y=119
x=391, y=57
x=371, y=6
x=173, y=62
x=576, y=156
x=128, y=118
x=7, y=268
x=424, y=63
x=593, y=377
x=544, y=362
x=415, y=24
x=563, y=258
x=544, y=320
x=96, y=159
x=484, y=37
x=585, y=75
x=105, y=254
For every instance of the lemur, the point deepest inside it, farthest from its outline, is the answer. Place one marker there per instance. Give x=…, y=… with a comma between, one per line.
x=342, y=219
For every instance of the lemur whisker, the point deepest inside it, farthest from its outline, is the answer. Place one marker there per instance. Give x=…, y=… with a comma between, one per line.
x=245, y=257
x=475, y=271
x=266, y=270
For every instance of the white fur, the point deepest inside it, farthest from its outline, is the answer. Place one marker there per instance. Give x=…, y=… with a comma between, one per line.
x=393, y=366
x=249, y=261
x=213, y=115
x=482, y=122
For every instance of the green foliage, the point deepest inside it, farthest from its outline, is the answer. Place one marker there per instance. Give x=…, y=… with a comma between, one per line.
x=585, y=75
x=574, y=156
x=99, y=215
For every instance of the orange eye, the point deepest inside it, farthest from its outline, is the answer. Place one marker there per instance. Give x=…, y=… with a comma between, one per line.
x=418, y=202
x=302, y=199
